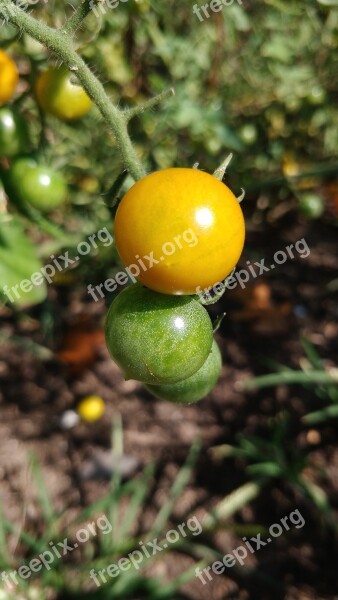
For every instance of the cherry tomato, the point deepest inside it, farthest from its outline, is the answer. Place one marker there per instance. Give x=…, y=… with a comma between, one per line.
x=57, y=95
x=190, y=223
x=311, y=205
x=8, y=77
x=195, y=387
x=20, y=166
x=157, y=338
x=37, y=185
x=13, y=133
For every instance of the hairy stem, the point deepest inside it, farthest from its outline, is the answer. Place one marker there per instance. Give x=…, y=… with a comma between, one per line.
x=78, y=16
x=60, y=43
x=137, y=110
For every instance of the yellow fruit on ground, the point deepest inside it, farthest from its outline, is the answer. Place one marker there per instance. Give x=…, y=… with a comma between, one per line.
x=91, y=408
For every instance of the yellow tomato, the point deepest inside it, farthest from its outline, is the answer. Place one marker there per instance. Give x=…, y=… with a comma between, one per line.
x=57, y=95
x=91, y=408
x=8, y=77
x=179, y=231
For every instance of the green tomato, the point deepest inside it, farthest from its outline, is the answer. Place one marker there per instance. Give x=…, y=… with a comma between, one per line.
x=37, y=185
x=195, y=387
x=248, y=133
x=19, y=168
x=311, y=205
x=14, y=137
x=157, y=338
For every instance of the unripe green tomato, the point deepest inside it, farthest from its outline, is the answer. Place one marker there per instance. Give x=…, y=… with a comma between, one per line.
x=195, y=387
x=58, y=95
x=311, y=205
x=157, y=338
x=19, y=168
x=38, y=185
x=248, y=133
x=14, y=137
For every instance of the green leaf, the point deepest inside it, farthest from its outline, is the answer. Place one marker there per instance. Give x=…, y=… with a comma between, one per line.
x=18, y=261
x=328, y=2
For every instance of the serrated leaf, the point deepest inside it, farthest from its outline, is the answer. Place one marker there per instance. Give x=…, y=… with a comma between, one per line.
x=18, y=261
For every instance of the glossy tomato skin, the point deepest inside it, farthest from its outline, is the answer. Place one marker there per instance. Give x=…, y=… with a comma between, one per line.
x=57, y=95
x=157, y=338
x=14, y=137
x=190, y=222
x=195, y=387
x=8, y=77
x=38, y=185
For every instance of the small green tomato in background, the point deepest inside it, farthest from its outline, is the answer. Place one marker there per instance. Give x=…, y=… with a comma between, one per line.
x=20, y=166
x=197, y=386
x=40, y=186
x=157, y=338
x=91, y=408
x=14, y=137
x=311, y=205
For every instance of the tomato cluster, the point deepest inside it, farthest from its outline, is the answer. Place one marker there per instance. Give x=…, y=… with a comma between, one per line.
x=28, y=181
x=161, y=334
x=182, y=229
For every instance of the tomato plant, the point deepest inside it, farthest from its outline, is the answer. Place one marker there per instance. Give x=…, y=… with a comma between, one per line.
x=157, y=338
x=157, y=214
x=59, y=96
x=14, y=137
x=8, y=77
x=195, y=387
x=38, y=185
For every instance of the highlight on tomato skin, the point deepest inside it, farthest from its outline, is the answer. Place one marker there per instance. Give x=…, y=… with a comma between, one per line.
x=195, y=387
x=14, y=137
x=157, y=338
x=36, y=184
x=188, y=221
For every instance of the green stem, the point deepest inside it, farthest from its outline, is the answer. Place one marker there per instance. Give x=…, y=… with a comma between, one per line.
x=60, y=43
x=137, y=110
x=289, y=377
x=78, y=16
x=232, y=503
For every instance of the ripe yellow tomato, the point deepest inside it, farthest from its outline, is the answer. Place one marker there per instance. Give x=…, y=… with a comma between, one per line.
x=8, y=77
x=57, y=95
x=91, y=408
x=179, y=230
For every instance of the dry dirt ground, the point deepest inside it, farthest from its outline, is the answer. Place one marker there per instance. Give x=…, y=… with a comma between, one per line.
x=262, y=328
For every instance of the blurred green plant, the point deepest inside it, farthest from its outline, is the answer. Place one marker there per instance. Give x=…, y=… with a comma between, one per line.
x=256, y=79
x=314, y=376
x=273, y=458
